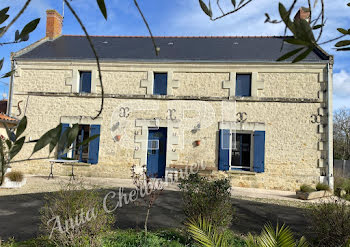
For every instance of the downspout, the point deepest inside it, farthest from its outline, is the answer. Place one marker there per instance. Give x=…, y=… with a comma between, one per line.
x=330, y=176
x=12, y=78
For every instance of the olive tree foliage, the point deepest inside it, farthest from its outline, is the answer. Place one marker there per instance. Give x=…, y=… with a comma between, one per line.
x=54, y=138
x=341, y=137
x=306, y=34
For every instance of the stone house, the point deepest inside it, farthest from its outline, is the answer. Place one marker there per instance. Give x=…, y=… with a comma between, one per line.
x=221, y=101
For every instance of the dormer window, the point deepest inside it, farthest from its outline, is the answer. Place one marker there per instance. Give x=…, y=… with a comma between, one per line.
x=85, y=82
x=160, y=84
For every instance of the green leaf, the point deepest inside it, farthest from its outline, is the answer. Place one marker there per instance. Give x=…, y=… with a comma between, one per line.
x=348, y=4
x=285, y=17
x=17, y=36
x=317, y=26
x=21, y=127
x=56, y=136
x=86, y=141
x=8, y=143
x=342, y=43
x=16, y=147
x=8, y=74
x=343, y=31
x=102, y=6
x=44, y=140
x=233, y=3
x=296, y=42
x=30, y=27
x=241, y=2
x=72, y=135
x=344, y=49
x=1, y=63
x=10, y=133
x=205, y=8
x=303, y=31
x=3, y=18
x=302, y=55
x=3, y=14
x=289, y=54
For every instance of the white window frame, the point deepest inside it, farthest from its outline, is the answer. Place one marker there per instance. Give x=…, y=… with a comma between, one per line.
x=251, y=133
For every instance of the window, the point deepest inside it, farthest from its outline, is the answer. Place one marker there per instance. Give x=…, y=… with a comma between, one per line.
x=243, y=85
x=87, y=153
x=160, y=83
x=82, y=152
x=85, y=82
x=240, y=154
x=243, y=151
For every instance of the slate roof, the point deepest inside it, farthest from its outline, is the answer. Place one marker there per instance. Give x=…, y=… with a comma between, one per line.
x=182, y=49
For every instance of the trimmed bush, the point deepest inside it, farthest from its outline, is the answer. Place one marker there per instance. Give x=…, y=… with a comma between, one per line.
x=330, y=223
x=208, y=199
x=15, y=176
x=306, y=188
x=322, y=186
x=74, y=216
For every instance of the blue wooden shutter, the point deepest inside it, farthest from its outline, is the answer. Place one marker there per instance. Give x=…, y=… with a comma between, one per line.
x=59, y=152
x=94, y=144
x=259, y=151
x=243, y=85
x=224, y=150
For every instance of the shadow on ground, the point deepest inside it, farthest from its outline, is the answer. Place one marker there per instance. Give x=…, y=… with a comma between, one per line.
x=20, y=215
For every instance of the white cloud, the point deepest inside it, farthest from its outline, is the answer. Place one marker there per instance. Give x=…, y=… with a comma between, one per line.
x=341, y=84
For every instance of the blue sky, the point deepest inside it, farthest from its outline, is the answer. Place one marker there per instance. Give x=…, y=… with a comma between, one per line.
x=178, y=17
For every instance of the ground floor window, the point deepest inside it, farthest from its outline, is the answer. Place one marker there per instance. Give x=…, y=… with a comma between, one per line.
x=82, y=152
x=240, y=154
x=87, y=153
x=242, y=150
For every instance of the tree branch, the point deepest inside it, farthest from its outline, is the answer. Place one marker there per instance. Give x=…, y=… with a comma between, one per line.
x=95, y=54
x=233, y=11
x=16, y=17
x=149, y=29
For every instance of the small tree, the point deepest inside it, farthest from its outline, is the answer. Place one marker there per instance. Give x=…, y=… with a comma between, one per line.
x=149, y=189
x=342, y=134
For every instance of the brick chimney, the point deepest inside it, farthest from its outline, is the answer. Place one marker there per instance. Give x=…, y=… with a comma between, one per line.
x=303, y=14
x=53, y=24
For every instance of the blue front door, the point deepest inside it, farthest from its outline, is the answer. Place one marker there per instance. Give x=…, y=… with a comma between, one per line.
x=156, y=153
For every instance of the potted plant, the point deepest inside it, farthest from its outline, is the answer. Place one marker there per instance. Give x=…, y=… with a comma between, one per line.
x=197, y=142
x=117, y=138
x=14, y=179
x=306, y=192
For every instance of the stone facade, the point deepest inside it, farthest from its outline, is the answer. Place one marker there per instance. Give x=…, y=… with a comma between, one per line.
x=288, y=101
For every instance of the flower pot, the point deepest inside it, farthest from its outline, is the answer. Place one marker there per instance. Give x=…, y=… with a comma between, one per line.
x=198, y=142
x=117, y=138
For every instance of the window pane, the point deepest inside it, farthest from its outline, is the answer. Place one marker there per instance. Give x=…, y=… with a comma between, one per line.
x=243, y=84
x=85, y=82
x=241, y=150
x=160, y=83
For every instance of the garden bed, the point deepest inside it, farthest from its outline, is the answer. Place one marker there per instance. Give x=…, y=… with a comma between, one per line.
x=313, y=195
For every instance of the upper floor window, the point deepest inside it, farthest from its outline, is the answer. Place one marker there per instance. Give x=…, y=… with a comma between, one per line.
x=85, y=82
x=243, y=85
x=160, y=83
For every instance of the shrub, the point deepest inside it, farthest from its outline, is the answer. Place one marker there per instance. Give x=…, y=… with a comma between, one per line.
x=322, y=186
x=132, y=238
x=330, y=223
x=306, y=188
x=15, y=176
x=74, y=216
x=281, y=236
x=208, y=199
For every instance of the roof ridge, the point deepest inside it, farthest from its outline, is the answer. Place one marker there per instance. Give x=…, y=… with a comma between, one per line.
x=206, y=37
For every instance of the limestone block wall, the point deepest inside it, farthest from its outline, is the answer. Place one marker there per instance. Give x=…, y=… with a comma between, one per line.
x=288, y=103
